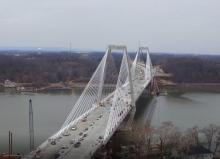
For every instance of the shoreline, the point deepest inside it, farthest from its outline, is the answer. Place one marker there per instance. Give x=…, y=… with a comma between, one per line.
x=174, y=87
x=24, y=87
x=187, y=87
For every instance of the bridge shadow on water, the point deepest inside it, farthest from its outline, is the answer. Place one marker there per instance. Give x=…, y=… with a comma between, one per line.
x=142, y=110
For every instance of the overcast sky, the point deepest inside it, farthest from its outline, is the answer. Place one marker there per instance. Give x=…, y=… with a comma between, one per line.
x=163, y=25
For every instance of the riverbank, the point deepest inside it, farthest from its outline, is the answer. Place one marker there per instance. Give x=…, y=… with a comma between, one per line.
x=191, y=87
x=29, y=87
x=164, y=86
x=69, y=86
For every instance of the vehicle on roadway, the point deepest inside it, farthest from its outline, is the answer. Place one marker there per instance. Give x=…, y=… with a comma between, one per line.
x=74, y=128
x=66, y=133
x=57, y=155
x=73, y=141
x=84, y=119
x=53, y=142
x=77, y=144
x=64, y=147
x=80, y=134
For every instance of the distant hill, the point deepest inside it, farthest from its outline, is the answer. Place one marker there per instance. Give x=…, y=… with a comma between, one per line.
x=51, y=67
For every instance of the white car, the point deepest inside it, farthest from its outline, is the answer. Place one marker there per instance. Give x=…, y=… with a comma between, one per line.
x=74, y=128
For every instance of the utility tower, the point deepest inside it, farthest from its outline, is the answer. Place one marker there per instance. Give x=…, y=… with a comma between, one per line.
x=31, y=126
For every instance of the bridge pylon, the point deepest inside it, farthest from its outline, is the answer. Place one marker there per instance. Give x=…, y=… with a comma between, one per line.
x=124, y=93
x=140, y=60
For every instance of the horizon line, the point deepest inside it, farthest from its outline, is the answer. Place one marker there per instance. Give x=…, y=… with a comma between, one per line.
x=76, y=50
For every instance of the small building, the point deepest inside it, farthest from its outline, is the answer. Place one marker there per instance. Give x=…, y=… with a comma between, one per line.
x=199, y=152
x=9, y=84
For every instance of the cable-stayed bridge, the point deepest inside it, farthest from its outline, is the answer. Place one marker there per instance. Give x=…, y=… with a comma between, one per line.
x=107, y=99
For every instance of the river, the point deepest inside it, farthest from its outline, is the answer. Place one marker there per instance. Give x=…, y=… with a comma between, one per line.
x=51, y=109
x=188, y=109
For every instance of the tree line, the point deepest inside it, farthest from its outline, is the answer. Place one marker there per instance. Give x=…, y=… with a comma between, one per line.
x=168, y=137
x=44, y=68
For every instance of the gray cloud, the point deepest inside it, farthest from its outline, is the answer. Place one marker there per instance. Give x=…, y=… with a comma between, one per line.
x=163, y=25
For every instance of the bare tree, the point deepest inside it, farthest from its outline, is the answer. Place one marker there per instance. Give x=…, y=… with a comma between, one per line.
x=174, y=137
x=169, y=137
x=148, y=137
x=188, y=139
x=210, y=133
x=216, y=140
